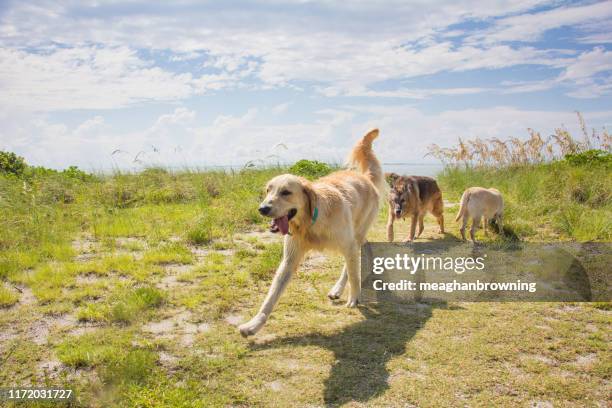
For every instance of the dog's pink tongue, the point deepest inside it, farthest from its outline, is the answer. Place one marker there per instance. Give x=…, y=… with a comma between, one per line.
x=283, y=224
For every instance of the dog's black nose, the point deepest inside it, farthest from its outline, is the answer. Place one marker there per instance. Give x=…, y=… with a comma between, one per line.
x=398, y=212
x=264, y=209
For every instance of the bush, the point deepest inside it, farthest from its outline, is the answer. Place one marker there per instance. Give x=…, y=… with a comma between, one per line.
x=75, y=173
x=119, y=192
x=311, y=169
x=590, y=157
x=56, y=190
x=177, y=192
x=10, y=163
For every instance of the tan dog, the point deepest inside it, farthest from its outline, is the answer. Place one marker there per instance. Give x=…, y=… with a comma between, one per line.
x=413, y=196
x=334, y=212
x=478, y=202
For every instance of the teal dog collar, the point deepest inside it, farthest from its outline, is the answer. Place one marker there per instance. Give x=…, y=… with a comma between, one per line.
x=315, y=215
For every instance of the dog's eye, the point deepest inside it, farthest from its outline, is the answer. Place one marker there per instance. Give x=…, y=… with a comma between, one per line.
x=285, y=192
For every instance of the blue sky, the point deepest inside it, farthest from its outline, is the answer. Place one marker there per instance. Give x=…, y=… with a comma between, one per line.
x=218, y=83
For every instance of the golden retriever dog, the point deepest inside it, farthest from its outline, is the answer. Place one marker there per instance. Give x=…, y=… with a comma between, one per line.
x=332, y=213
x=413, y=196
x=478, y=202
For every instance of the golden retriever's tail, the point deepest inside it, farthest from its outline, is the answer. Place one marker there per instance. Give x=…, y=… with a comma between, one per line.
x=363, y=159
x=463, y=204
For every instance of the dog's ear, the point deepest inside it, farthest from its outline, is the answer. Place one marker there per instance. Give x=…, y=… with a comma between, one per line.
x=311, y=197
x=391, y=177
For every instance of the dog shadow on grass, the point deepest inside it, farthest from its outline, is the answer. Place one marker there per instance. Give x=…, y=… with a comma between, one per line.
x=363, y=349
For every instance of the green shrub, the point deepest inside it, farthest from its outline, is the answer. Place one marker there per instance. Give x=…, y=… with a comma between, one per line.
x=10, y=163
x=38, y=172
x=177, y=192
x=120, y=193
x=311, y=169
x=589, y=158
x=154, y=172
x=74, y=172
x=56, y=189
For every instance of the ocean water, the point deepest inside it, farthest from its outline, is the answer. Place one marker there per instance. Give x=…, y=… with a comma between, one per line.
x=407, y=169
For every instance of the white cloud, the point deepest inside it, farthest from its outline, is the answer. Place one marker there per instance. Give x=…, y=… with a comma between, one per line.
x=344, y=49
x=85, y=78
x=511, y=87
x=592, y=89
x=588, y=64
x=114, y=77
x=237, y=139
x=581, y=76
x=351, y=46
x=75, y=55
x=410, y=93
x=228, y=28
x=406, y=132
x=90, y=126
x=530, y=27
x=179, y=116
x=351, y=66
x=281, y=108
x=596, y=31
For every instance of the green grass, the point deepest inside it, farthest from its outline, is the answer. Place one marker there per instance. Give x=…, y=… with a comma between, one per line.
x=266, y=264
x=132, y=285
x=557, y=200
x=8, y=297
x=124, y=306
x=168, y=254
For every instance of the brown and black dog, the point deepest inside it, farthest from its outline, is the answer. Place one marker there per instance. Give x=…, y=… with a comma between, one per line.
x=413, y=196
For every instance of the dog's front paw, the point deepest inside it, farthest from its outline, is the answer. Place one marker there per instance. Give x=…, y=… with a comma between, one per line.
x=333, y=295
x=335, y=292
x=246, y=330
x=252, y=326
x=352, y=303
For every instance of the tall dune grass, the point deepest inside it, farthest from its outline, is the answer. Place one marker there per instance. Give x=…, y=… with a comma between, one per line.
x=514, y=151
x=559, y=186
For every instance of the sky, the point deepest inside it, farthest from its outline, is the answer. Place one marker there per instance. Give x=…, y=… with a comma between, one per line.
x=130, y=84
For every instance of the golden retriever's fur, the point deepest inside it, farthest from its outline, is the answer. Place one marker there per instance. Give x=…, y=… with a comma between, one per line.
x=332, y=213
x=478, y=202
